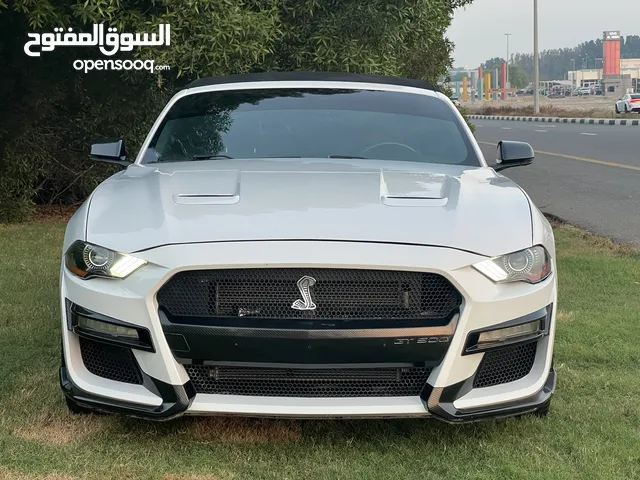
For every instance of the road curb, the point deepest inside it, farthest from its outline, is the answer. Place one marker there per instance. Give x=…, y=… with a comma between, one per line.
x=583, y=121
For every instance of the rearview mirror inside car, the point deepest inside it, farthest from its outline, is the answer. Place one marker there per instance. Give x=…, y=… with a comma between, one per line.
x=110, y=152
x=513, y=154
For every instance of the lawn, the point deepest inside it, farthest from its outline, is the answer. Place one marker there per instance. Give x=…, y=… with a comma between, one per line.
x=593, y=430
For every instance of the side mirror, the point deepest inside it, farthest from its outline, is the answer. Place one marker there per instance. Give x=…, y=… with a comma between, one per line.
x=513, y=154
x=110, y=152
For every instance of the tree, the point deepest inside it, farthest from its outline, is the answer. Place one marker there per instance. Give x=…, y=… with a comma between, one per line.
x=517, y=77
x=210, y=37
x=492, y=64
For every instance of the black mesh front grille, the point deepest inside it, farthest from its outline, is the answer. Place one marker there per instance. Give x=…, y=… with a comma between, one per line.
x=338, y=294
x=111, y=362
x=302, y=382
x=505, y=365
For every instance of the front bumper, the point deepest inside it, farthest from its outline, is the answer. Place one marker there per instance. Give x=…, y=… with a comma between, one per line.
x=166, y=390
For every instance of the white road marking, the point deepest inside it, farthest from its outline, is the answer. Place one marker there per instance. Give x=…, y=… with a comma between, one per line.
x=542, y=130
x=506, y=128
x=590, y=134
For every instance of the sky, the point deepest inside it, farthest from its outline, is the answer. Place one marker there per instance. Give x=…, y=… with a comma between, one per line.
x=478, y=30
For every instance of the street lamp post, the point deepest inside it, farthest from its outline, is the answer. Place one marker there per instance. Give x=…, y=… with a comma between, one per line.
x=507, y=35
x=536, y=61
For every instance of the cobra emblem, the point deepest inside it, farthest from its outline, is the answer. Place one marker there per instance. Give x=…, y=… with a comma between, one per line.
x=304, y=285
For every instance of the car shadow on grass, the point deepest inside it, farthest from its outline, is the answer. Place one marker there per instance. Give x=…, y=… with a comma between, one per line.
x=243, y=430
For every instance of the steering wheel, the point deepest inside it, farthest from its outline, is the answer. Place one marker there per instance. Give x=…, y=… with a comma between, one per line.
x=397, y=144
x=176, y=144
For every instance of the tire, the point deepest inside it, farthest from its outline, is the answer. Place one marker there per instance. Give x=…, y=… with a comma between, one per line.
x=544, y=410
x=76, y=409
x=72, y=406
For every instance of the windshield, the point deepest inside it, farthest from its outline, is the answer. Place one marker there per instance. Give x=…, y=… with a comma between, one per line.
x=312, y=123
x=635, y=97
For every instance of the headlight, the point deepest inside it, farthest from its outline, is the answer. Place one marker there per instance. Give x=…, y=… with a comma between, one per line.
x=87, y=261
x=531, y=265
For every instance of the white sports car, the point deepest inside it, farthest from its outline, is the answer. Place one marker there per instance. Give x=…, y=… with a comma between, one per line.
x=628, y=103
x=309, y=245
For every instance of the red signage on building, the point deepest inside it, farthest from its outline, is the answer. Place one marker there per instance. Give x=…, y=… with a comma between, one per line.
x=611, y=54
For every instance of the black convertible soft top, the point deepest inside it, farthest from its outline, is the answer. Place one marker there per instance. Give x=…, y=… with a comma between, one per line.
x=312, y=76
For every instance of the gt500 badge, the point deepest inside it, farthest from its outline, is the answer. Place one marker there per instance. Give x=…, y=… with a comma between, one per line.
x=420, y=340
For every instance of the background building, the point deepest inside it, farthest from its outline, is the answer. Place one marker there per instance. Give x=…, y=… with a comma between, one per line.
x=617, y=76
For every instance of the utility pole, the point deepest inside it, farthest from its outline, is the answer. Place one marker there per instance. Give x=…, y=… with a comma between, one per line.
x=573, y=77
x=536, y=61
x=507, y=35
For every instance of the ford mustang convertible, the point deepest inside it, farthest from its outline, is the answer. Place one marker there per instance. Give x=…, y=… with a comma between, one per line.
x=309, y=245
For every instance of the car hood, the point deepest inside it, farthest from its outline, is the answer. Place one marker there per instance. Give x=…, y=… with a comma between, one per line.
x=466, y=208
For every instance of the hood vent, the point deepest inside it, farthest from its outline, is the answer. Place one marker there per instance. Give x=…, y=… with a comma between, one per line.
x=206, y=199
x=413, y=189
x=206, y=187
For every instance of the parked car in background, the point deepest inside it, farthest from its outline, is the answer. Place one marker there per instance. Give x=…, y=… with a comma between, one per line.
x=309, y=245
x=584, y=91
x=628, y=103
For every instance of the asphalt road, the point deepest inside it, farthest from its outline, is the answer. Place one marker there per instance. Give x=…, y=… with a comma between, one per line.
x=587, y=175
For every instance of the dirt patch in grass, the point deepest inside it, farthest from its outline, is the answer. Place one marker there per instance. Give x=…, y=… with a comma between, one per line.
x=12, y=475
x=565, y=317
x=54, y=213
x=245, y=430
x=46, y=422
x=62, y=429
x=192, y=477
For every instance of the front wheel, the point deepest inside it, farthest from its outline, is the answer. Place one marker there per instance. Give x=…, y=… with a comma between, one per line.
x=543, y=410
x=72, y=406
x=76, y=409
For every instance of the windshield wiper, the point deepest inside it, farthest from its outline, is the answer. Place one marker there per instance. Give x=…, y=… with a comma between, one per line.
x=209, y=156
x=347, y=156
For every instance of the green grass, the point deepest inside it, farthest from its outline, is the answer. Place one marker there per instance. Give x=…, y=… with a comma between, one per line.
x=592, y=432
